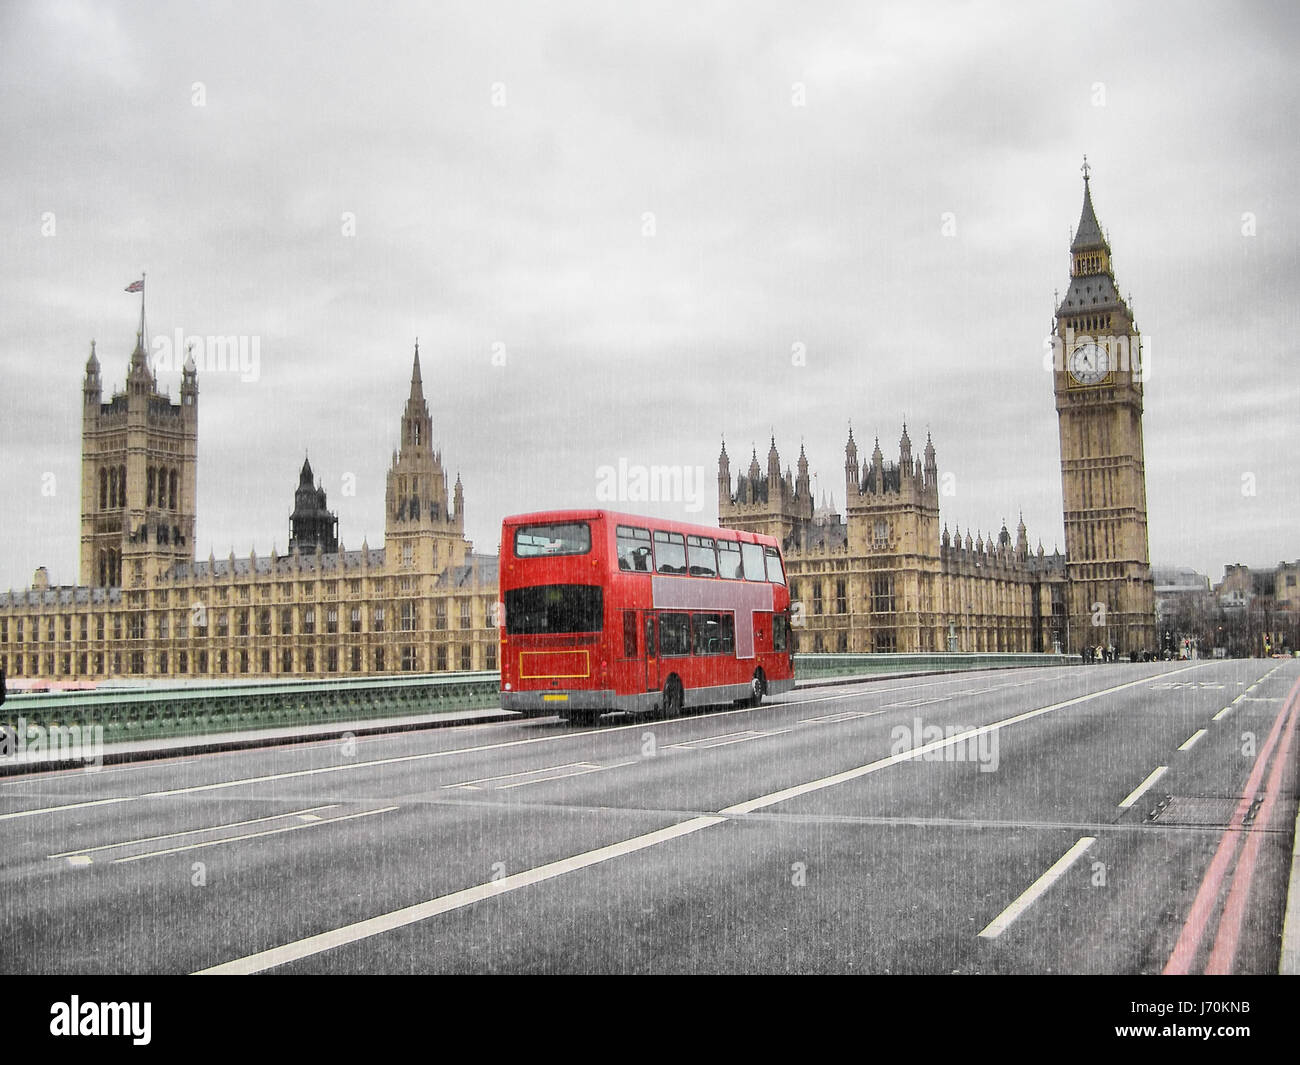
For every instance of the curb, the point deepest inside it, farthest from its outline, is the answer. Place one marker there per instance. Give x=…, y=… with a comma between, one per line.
x=1289, y=963
x=241, y=741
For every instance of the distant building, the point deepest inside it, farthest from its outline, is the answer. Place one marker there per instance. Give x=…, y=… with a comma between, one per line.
x=1180, y=586
x=884, y=578
x=146, y=608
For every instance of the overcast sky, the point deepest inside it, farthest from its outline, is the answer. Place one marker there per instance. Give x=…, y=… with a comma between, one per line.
x=642, y=210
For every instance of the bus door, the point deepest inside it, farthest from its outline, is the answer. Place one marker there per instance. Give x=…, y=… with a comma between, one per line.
x=651, y=653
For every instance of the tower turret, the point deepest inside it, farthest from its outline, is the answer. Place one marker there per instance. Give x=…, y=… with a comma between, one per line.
x=852, y=472
x=91, y=388
x=773, y=469
x=724, y=478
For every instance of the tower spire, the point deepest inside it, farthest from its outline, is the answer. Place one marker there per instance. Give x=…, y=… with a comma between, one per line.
x=1089, y=235
x=417, y=383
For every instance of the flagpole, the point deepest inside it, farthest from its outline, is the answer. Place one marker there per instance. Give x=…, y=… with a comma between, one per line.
x=144, y=338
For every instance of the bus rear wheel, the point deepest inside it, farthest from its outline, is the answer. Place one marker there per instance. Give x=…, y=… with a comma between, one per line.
x=672, y=704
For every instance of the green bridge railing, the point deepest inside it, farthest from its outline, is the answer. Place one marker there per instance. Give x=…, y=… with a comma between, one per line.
x=812, y=667
x=190, y=710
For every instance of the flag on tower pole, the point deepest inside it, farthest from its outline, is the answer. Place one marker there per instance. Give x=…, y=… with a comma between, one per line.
x=136, y=286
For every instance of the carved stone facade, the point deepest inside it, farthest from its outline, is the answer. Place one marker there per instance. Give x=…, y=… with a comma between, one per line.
x=882, y=577
x=423, y=602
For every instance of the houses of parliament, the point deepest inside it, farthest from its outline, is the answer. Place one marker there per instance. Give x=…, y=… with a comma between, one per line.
x=883, y=576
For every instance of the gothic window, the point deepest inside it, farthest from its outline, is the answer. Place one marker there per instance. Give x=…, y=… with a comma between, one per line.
x=149, y=488
x=103, y=490
x=121, y=486
x=172, y=491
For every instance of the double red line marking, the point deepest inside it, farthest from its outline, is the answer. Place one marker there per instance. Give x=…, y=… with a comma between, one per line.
x=1241, y=874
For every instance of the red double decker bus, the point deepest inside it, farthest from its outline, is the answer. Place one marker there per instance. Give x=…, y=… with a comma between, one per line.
x=607, y=611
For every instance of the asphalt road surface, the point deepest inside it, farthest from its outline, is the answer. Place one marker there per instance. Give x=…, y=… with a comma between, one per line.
x=1102, y=819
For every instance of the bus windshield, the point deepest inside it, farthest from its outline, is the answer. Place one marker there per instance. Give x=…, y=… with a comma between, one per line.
x=553, y=608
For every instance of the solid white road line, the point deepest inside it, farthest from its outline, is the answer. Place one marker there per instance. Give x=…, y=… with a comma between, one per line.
x=68, y=806
x=190, y=832
x=906, y=756
x=304, y=948
x=473, y=785
x=1187, y=743
x=1002, y=921
x=1222, y=713
x=1136, y=793
x=253, y=835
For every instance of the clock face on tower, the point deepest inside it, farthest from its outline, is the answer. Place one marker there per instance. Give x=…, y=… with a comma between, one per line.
x=1089, y=364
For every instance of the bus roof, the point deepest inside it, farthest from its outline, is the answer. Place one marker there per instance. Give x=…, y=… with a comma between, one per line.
x=641, y=520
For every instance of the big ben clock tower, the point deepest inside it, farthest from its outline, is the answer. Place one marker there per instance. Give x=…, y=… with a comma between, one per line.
x=1098, y=383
